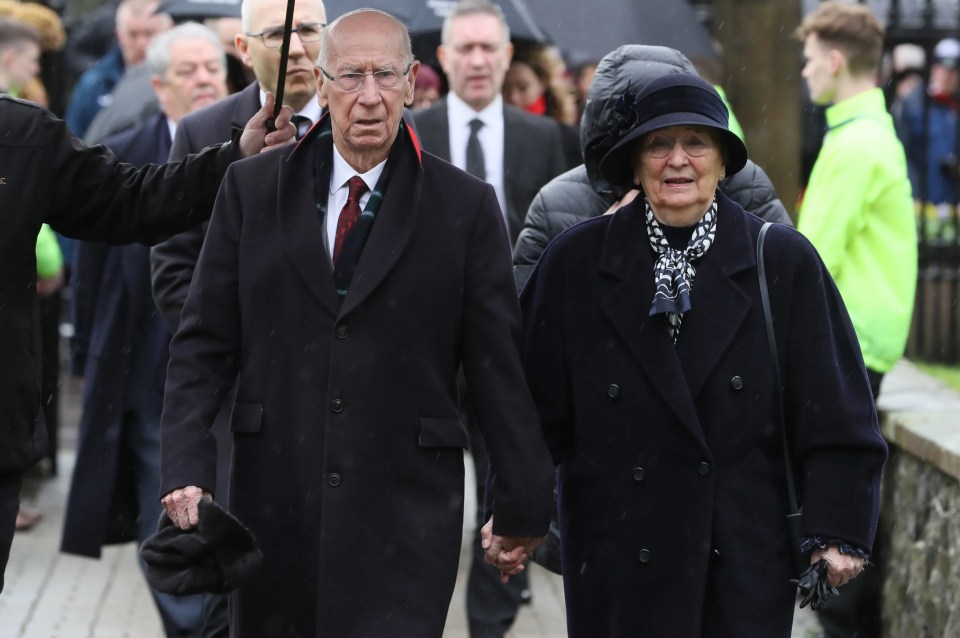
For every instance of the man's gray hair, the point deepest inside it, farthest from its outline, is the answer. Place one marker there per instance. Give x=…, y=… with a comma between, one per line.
x=329, y=30
x=158, y=53
x=474, y=7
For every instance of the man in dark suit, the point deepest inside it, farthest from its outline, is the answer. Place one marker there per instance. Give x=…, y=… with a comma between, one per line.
x=173, y=261
x=120, y=347
x=517, y=153
x=48, y=175
x=341, y=284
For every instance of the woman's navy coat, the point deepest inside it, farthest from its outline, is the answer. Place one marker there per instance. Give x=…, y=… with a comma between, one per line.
x=672, y=488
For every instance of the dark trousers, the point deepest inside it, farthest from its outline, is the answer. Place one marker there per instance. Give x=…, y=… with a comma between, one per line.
x=491, y=605
x=9, y=506
x=50, y=308
x=856, y=613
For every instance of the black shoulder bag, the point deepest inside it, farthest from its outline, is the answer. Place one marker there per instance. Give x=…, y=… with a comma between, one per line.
x=812, y=585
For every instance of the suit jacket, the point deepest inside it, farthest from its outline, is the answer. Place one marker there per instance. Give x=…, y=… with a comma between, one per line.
x=47, y=175
x=120, y=349
x=348, y=450
x=672, y=480
x=172, y=262
x=532, y=154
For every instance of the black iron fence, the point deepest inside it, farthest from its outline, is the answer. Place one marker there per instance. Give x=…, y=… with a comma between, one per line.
x=935, y=333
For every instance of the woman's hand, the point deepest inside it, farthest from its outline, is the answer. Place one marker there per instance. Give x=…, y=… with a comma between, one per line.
x=841, y=568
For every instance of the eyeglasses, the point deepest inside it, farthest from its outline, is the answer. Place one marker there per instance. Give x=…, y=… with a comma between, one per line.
x=694, y=145
x=273, y=38
x=349, y=82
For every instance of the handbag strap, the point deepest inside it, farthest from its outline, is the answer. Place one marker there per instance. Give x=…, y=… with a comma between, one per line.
x=772, y=343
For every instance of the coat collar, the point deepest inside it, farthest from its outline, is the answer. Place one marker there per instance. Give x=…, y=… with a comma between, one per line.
x=303, y=229
x=721, y=302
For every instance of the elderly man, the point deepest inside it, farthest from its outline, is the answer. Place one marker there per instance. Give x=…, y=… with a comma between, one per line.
x=381, y=270
x=136, y=25
x=121, y=343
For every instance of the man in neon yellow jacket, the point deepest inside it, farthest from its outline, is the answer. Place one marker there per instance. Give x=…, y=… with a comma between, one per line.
x=858, y=209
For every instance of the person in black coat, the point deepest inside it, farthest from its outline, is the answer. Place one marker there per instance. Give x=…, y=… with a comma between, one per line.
x=582, y=193
x=48, y=175
x=645, y=348
x=348, y=447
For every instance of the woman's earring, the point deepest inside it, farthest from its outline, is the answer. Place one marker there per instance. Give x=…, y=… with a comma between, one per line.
x=723, y=175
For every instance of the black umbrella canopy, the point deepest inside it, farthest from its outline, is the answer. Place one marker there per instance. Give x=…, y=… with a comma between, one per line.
x=587, y=31
x=423, y=17
x=181, y=10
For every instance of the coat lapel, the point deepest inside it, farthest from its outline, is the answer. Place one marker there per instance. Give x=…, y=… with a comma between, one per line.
x=513, y=151
x=300, y=223
x=391, y=230
x=721, y=297
x=627, y=258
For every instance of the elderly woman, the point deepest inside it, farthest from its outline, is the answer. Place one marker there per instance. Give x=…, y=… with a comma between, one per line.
x=646, y=351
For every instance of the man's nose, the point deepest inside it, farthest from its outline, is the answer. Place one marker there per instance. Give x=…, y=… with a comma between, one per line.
x=296, y=45
x=369, y=89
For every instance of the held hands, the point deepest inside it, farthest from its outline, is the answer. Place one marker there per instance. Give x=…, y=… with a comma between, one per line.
x=507, y=553
x=183, y=506
x=841, y=568
x=256, y=138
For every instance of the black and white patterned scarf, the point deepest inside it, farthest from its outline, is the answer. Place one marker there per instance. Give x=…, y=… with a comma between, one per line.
x=674, y=272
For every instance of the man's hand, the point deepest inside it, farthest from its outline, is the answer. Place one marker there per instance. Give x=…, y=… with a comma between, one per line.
x=507, y=553
x=842, y=568
x=256, y=138
x=183, y=506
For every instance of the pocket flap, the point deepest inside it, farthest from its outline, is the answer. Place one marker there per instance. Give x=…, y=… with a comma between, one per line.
x=442, y=432
x=246, y=417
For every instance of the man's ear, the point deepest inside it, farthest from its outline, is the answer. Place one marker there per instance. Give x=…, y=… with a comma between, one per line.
x=411, y=83
x=243, y=48
x=321, y=82
x=442, y=57
x=837, y=61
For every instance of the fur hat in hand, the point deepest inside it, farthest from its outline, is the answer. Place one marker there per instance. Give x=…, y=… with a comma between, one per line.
x=214, y=557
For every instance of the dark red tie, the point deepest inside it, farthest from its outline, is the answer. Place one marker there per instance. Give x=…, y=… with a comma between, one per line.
x=349, y=214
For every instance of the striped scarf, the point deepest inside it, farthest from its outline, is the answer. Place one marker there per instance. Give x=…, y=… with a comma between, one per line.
x=673, y=273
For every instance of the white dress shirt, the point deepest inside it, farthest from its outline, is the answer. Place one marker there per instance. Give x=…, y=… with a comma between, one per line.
x=459, y=115
x=339, y=176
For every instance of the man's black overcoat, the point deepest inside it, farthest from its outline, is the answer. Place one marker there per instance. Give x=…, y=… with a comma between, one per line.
x=348, y=449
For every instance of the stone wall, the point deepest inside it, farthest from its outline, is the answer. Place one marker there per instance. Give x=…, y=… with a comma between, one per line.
x=920, y=513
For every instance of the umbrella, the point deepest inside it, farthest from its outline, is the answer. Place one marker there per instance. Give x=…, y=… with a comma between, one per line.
x=587, y=31
x=424, y=17
x=181, y=10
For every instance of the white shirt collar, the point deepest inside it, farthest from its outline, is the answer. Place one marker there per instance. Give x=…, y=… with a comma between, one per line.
x=342, y=172
x=461, y=113
x=311, y=110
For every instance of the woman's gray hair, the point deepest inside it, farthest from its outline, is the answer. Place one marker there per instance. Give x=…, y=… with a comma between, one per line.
x=474, y=7
x=158, y=53
x=329, y=30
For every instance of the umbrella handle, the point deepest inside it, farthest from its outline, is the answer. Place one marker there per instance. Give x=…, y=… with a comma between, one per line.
x=282, y=72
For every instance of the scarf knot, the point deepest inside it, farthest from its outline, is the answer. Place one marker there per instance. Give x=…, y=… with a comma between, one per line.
x=673, y=272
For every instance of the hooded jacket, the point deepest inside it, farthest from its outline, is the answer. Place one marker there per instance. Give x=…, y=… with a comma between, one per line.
x=582, y=193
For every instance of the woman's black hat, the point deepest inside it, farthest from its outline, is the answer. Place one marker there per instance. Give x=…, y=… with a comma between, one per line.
x=670, y=100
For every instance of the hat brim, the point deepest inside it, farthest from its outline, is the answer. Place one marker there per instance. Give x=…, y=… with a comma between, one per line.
x=617, y=165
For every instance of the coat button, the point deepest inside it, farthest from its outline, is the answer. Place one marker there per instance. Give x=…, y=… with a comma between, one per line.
x=704, y=468
x=736, y=383
x=645, y=556
x=336, y=406
x=638, y=474
x=613, y=391
x=341, y=332
x=715, y=553
x=334, y=479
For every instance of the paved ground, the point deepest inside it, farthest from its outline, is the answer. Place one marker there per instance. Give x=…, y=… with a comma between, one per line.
x=53, y=595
